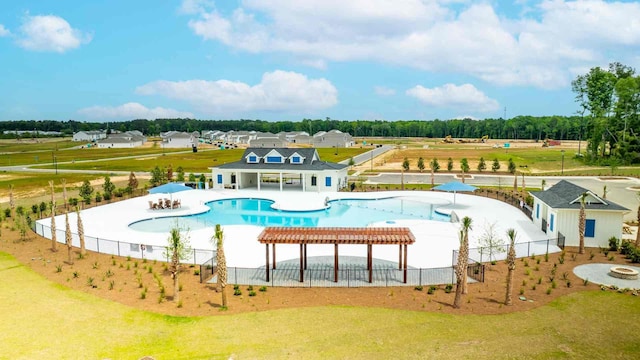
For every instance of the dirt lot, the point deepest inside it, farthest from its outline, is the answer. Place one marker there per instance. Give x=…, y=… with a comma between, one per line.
x=124, y=280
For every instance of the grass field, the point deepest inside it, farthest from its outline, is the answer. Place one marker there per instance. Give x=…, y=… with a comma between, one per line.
x=45, y=320
x=191, y=162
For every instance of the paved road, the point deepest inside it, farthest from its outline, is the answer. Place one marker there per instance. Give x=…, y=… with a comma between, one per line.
x=367, y=156
x=618, y=189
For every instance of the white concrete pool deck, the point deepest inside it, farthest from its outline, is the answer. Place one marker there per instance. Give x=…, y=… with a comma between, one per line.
x=434, y=244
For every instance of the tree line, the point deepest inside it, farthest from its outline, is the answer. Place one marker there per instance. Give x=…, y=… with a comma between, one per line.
x=520, y=127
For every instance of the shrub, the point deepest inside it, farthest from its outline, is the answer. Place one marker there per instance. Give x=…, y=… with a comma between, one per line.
x=418, y=288
x=111, y=284
x=585, y=282
x=252, y=293
x=237, y=292
x=98, y=197
x=76, y=274
x=263, y=288
x=431, y=290
x=90, y=282
x=58, y=268
x=448, y=288
x=196, y=272
x=614, y=242
x=7, y=212
x=73, y=201
x=236, y=287
x=626, y=247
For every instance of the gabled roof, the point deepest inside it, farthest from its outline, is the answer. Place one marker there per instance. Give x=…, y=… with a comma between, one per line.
x=311, y=160
x=566, y=195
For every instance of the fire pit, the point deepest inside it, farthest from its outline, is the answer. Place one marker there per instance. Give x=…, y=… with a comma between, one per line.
x=622, y=272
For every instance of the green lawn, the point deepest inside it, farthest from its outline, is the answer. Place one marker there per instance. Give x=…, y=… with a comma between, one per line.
x=191, y=162
x=44, y=320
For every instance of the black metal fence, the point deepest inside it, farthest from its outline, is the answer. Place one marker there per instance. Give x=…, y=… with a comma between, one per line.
x=122, y=248
x=499, y=251
x=323, y=276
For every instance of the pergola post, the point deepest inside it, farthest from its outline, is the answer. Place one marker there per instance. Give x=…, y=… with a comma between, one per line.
x=400, y=257
x=273, y=248
x=405, y=262
x=267, y=264
x=370, y=262
x=280, y=181
x=259, y=180
x=305, y=256
x=335, y=262
x=304, y=182
x=301, y=263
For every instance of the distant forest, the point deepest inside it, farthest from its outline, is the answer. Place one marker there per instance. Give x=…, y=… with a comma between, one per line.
x=521, y=127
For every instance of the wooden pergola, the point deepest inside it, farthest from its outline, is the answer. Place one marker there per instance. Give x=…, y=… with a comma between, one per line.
x=349, y=236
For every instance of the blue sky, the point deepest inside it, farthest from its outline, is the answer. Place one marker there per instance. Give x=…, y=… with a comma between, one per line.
x=294, y=59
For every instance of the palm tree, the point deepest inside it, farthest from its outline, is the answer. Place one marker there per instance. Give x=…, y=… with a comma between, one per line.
x=459, y=271
x=582, y=222
x=463, y=261
x=54, y=241
x=67, y=237
x=177, y=250
x=511, y=264
x=466, y=226
x=221, y=264
x=638, y=230
x=83, y=250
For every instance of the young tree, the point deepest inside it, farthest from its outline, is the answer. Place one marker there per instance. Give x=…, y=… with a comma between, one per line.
x=64, y=192
x=482, y=166
x=180, y=176
x=133, y=183
x=420, y=164
x=490, y=243
x=434, y=165
x=511, y=264
x=449, y=164
x=496, y=165
x=85, y=191
x=405, y=164
x=177, y=249
x=221, y=264
x=12, y=203
x=512, y=166
x=192, y=177
x=107, y=188
x=67, y=237
x=54, y=241
x=83, y=250
x=170, y=173
x=157, y=177
x=582, y=219
x=638, y=217
x=42, y=208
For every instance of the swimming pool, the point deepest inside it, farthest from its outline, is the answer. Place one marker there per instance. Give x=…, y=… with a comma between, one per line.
x=341, y=213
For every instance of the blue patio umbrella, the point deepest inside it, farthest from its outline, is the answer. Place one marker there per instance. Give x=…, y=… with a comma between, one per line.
x=169, y=188
x=455, y=186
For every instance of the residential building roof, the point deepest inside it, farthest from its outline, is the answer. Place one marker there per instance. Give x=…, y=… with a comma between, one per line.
x=310, y=160
x=566, y=195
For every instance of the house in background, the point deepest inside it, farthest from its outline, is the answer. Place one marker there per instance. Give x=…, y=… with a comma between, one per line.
x=93, y=135
x=129, y=139
x=270, y=142
x=557, y=210
x=281, y=168
x=332, y=139
x=178, y=139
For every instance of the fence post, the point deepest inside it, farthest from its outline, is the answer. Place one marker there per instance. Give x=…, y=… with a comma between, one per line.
x=194, y=256
x=547, y=246
x=118, y=247
x=98, y=244
x=348, y=279
x=420, y=281
x=528, y=248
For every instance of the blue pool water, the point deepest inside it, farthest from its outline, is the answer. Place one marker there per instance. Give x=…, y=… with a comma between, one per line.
x=348, y=213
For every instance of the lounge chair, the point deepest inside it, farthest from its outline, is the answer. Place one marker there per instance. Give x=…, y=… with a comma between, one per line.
x=151, y=205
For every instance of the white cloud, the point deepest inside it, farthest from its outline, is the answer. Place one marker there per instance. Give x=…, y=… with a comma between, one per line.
x=4, y=31
x=194, y=6
x=132, y=110
x=277, y=91
x=50, y=33
x=535, y=47
x=384, y=91
x=463, y=97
